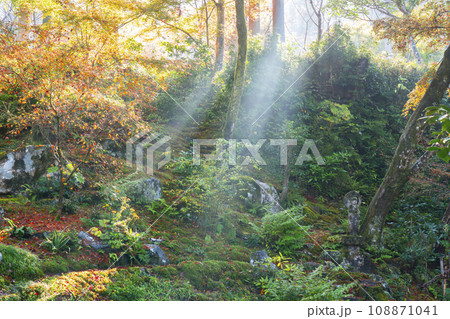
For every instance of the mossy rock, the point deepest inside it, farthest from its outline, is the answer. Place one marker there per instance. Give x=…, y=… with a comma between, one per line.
x=168, y=272
x=19, y=264
x=55, y=265
x=143, y=191
x=209, y=274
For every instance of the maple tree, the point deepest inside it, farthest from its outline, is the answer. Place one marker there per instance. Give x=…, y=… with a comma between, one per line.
x=393, y=12
x=77, y=81
x=428, y=93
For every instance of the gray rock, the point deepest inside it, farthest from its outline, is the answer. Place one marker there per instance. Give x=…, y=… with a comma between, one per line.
x=2, y=213
x=143, y=191
x=335, y=256
x=261, y=257
x=258, y=192
x=91, y=242
x=359, y=261
x=23, y=167
x=384, y=284
x=157, y=256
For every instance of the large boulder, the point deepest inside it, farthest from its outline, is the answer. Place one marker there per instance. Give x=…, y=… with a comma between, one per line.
x=143, y=191
x=87, y=240
x=23, y=167
x=157, y=256
x=260, y=193
x=259, y=258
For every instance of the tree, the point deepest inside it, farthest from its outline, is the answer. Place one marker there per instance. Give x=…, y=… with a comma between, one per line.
x=395, y=10
x=428, y=92
x=239, y=72
x=220, y=34
x=403, y=165
x=316, y=13
x=278, y=19
x=76, y=85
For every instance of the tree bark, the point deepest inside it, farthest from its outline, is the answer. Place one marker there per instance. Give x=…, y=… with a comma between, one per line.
x=400, y=168
x=220, y=34
x=239, y=72
x=446, y=217
x=286, y=176
x=278, y=19
x=415, y=51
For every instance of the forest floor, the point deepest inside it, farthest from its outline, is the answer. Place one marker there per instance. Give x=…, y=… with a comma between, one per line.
x=202, y=267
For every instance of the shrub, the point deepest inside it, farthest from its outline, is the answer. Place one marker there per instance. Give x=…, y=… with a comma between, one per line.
x=283, y=232
x=19, y=232
x=48, y=186
x=117, y=230
x=135, y=284
x=19, y=263
x=60, y=241
x=296, y=284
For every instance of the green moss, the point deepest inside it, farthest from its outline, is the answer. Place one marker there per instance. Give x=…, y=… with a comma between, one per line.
x=218, y=251
x=19, y=264
x=165, y=271
x=55, y=265
x=209, y=274
x=136, y=284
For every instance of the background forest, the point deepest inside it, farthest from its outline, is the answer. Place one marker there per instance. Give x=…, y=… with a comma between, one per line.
x=306, y=101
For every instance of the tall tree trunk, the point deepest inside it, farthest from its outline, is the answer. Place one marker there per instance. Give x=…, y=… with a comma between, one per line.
x=220, y=34
x=401, y=165
x=22, y=23
x=415, y=51
x=286, y=176
x=206, y=22
x=239, y=72
x=254, y=20
x=319, y=27
x=278, y=18
x=446, y=217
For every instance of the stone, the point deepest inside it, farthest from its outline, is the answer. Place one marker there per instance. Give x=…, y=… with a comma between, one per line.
x=257, y=192
x=143, y=191
x=157, y=256
x=2, y=214
x=335, y=256
x=91, y=242
x=23, y=167
x=358, y=261
x=261, y=257
x=352, y=201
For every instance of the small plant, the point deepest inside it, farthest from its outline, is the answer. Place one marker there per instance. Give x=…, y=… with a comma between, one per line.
x=19, y=232
x=293, y=283
x=281, y=262
x=58, y=241
x=117, y=231
x=283, y=232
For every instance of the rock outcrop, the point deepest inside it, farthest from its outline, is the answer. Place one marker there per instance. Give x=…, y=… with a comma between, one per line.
x=23, y=167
